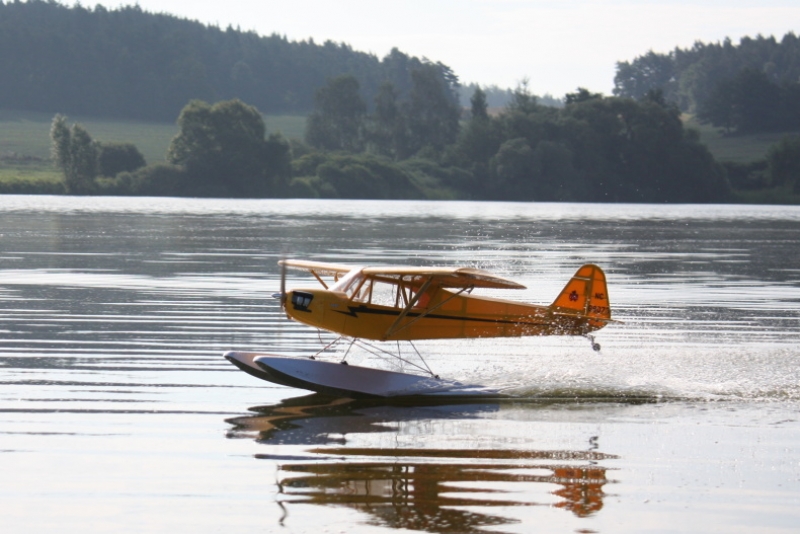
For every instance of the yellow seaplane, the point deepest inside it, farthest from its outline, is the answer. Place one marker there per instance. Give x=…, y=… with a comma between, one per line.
x=414, y=303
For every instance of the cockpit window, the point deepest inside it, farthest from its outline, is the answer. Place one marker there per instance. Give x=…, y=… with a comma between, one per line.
x=389, y=291
x=350, y=283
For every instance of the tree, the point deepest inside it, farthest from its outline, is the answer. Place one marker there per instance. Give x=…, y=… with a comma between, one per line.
x=747, y=103
x=433, y=110
x=278, y=156
x=224, y=150
x=387, y=133
x=62, y=140
x=555, y=177
x=522, y=100
x=719, y=109
x=756, y=102
x=114, y=158
x=689, y=76
x=581, y=95
x=646, y=73
x=512, y=168
x=130, y=63
x=651, y=157
x=75, y=154
x=525, y=118
x=337, y=122
x=365, y=176
x=479, y=106
x=479, y=140
x=783, y=161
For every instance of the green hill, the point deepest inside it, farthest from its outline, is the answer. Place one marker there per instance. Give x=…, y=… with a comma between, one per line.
x=132, y=64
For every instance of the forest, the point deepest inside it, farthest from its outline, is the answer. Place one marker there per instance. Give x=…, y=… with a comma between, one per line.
x=128, y=63
x=380, y=128
x=595, y=148
x=750, y=87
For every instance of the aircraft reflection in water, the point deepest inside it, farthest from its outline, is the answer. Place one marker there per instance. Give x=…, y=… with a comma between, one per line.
x=415, y=488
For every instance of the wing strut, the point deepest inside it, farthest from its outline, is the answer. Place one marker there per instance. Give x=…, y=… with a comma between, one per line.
x=392, y=329
x=396, y=326
x=320, y=280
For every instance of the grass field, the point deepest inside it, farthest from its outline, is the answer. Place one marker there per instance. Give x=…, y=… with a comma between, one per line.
x=735, y=148
x=25, y=163
x=28, y=133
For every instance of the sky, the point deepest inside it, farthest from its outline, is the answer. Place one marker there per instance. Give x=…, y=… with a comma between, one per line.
x=557, y=46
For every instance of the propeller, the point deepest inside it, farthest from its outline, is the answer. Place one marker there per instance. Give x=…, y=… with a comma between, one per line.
x=282, y=294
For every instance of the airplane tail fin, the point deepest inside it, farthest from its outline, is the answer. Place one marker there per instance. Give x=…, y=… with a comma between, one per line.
x=585, y=296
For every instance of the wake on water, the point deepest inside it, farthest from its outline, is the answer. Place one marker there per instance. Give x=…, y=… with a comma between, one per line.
x=567, y=369
x=746, y=373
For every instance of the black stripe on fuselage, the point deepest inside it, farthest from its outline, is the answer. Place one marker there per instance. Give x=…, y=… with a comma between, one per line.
x=354, y=311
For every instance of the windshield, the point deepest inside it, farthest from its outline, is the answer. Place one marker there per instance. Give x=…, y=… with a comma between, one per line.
x=393, y=292
x=350, y=282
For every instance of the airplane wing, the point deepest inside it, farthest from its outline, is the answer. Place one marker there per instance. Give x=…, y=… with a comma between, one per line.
x=319, y=267
x=460, y=277
x=457, y=277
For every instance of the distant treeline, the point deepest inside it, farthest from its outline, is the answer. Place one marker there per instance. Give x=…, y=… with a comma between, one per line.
x=595, y=149
x=750, y=87
x=499, y=97
x=127, y=63
x=390, y=128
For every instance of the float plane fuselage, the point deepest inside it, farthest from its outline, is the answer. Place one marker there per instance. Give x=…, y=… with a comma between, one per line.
x=411, y=303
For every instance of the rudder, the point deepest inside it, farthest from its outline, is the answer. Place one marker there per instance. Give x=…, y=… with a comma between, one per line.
x=585, y=295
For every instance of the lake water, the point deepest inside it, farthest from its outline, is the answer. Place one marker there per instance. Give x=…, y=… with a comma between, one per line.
x=118, y=413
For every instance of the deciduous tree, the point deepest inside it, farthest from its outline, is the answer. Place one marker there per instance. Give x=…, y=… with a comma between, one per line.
x=433, y=110
x=114, y=158
x=783, y=161
x=75, y=153
x=337, y=122
x=223, y=148
x=387, y=130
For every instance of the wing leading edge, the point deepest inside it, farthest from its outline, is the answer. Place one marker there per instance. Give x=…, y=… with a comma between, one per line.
x=320, y=267
x=456, y=277
x=459, y=277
